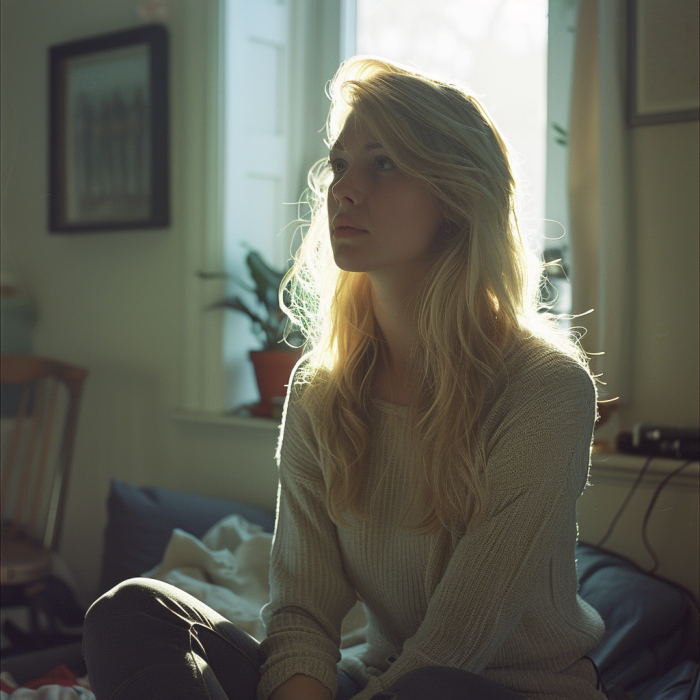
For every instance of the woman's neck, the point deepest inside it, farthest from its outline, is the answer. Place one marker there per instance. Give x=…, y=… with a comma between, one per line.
x=395, y=318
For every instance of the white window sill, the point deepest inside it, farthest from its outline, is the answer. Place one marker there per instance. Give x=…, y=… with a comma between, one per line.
x=603, y=462
x=626, y=466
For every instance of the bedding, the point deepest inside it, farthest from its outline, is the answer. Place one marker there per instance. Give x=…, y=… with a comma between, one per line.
x=649, y=652
x=140, y=520
x=227, y=570
x=651, y=626
x=60, y=683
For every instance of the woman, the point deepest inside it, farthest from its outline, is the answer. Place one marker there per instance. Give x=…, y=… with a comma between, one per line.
x=435, y=440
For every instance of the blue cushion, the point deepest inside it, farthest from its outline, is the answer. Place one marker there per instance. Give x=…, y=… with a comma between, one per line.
x=649, y=622
x=676, y=684
x=140, y=520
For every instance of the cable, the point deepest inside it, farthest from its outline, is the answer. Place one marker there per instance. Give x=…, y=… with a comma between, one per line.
x=645, y=539
x=647, y=515
x=686, y=593
x=638, y=480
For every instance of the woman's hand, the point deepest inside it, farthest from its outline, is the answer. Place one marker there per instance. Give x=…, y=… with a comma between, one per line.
x=301, y=687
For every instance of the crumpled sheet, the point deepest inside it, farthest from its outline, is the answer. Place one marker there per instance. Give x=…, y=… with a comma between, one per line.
x=227, y=570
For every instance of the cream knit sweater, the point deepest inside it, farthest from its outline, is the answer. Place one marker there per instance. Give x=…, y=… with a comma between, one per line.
x=500, y=601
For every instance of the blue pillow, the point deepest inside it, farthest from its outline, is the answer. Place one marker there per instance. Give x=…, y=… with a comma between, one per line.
x=140, y=520
x=650, y=624
x=680, y=683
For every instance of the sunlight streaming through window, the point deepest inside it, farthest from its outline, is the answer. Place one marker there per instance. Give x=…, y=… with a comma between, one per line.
x=499, y=49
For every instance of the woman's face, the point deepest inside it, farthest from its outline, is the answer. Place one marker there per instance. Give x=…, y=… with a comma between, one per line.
x=380, y=218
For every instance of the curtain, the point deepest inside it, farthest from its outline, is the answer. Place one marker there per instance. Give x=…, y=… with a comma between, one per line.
x=598, y=186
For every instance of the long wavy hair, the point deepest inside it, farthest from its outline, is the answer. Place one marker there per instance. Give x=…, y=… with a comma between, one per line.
x=479, y=296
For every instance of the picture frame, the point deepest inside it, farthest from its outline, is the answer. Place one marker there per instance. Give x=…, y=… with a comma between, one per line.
x=662, y=62
x=108, y=140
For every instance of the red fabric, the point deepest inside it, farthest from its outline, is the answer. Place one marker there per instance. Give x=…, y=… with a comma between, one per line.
x=6, y=687
x=60, y=675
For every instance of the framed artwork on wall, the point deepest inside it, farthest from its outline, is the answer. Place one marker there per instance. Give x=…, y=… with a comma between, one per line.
x=662, y=61
x=108, y=161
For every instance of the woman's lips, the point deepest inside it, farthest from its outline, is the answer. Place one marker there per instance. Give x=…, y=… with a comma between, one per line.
x=347, y=232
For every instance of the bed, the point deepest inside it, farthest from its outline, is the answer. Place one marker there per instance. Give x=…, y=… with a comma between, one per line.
x=650, y=650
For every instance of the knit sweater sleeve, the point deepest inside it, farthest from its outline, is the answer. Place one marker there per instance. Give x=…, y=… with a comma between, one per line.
x=309, y=592
x=537, y=461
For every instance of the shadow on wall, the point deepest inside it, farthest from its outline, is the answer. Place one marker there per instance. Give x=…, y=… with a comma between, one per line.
x=121, y=434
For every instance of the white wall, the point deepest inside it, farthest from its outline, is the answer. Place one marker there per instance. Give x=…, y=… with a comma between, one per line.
x=664, y=266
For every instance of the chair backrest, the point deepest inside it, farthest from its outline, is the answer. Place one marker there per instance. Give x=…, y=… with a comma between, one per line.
x=37, y=445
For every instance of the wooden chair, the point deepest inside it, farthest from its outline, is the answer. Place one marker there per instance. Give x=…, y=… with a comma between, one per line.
x=42, y=397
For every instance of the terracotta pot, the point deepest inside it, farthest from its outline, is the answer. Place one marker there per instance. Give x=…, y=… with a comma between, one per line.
x=273, y=369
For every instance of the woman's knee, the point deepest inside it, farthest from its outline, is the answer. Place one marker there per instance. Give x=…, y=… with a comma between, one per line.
x=135, y=595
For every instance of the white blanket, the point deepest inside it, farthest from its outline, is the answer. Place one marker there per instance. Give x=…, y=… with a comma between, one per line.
x=228, y=570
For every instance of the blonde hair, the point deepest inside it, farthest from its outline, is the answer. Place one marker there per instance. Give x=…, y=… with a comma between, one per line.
x=479, y=296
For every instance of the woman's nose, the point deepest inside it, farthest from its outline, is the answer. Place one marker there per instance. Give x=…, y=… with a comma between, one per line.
x=348, y=188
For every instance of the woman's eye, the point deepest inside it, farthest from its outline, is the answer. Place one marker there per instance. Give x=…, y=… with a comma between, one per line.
x=336, y=165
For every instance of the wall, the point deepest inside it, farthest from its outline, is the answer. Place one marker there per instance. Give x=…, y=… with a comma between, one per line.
x=112, y=302
x=633, y=194
x=664, y=265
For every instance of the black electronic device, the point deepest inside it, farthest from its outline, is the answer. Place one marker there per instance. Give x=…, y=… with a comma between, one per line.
x=660, y=441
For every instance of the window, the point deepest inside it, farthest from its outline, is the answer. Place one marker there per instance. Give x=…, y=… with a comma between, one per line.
x=517, y=57
x=560, y=63
x=258, y=127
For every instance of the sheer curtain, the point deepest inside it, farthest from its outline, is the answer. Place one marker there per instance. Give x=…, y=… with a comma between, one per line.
x=598, y=181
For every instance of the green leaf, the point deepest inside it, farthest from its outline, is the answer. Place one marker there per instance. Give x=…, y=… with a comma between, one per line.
x=269, y=321
x=237, y=304
x=267, y=280
x=225, y=275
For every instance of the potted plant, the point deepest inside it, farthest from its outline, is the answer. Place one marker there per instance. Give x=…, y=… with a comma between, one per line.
x=276, y=358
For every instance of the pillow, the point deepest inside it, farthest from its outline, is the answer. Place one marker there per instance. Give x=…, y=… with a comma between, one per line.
x=677, y=684
x=140, y=520
x=650, y=624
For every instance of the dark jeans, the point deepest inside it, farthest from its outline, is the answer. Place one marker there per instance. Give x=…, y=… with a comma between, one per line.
x=147, y=639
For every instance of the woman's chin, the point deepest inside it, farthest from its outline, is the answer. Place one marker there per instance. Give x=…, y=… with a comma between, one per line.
x=348, y=262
